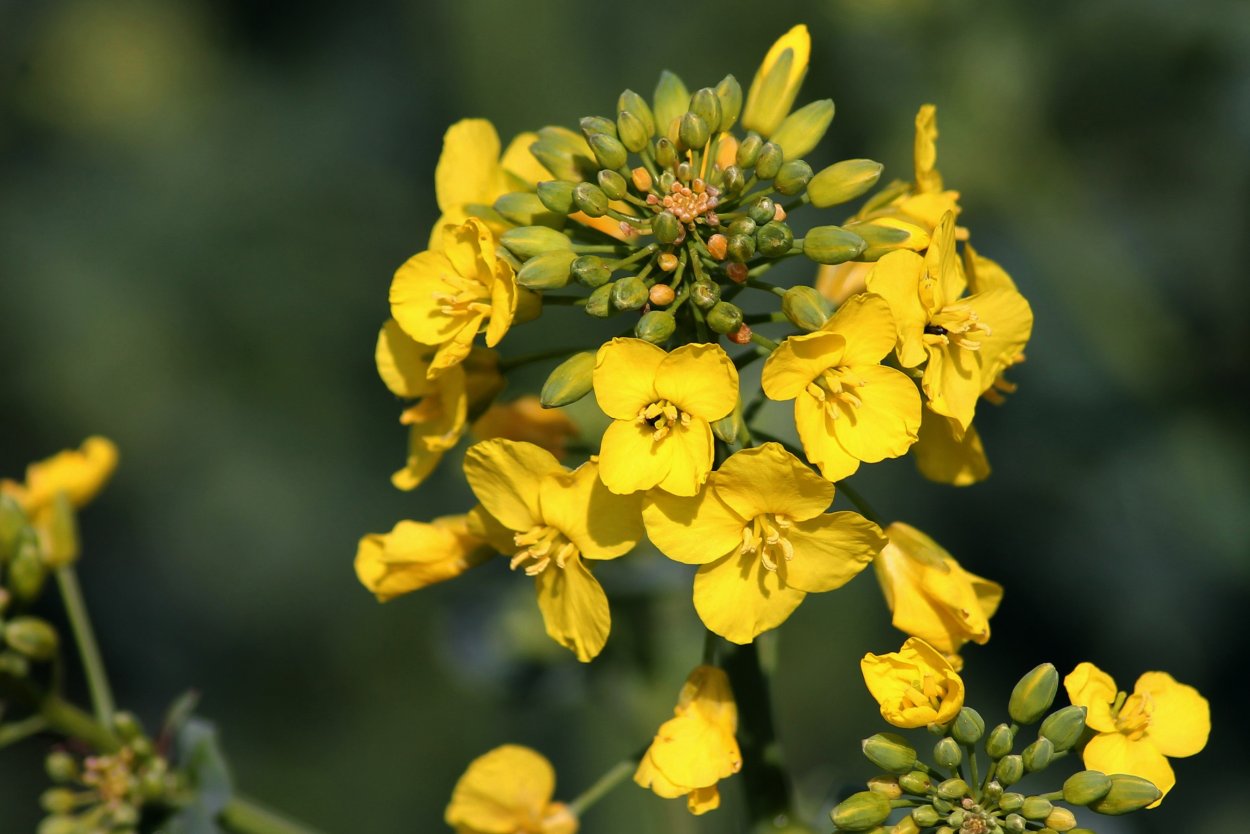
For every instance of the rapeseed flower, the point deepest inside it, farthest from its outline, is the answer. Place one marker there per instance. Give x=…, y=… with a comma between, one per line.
x=508, y=791
x=416, y=554
x=915, y=686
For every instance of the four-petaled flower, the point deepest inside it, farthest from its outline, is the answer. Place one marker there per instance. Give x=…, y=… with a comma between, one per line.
x=915, y=686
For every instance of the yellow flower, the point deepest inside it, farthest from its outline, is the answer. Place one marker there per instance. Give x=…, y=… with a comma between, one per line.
x=848, y=408
x=915, y=686
x=777, y=81
x=1138, y=733
x=662, y=406
x=761, y=535
x=696, y=748
x=963, y=339
x=439, y=417
x=508, y=791
x=948, y=455
x=415, y=554
x=525, y=419
x=444, y=298
x=557, y=519
x=931, y=596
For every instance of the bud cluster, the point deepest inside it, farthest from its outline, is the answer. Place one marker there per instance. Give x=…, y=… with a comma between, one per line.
x=948, y=796
x=24, y=639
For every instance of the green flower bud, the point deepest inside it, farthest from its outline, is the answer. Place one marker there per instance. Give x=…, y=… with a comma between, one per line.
x=590, y=271
x=917, y=782
x=14, y=665
x=655, y=326
x=890, y=752
x=666, y=227
x=636, y=106
x=1014, y=823
x=590, y=199
x=665, y=152
x=671, y=98
x=993, y=791
x=926, y=816
x=1085, y=787
x=1127, y=794
x=153, y=785
x=956, y=818
x=705, y=294
x=861, y=811
x=1011, y=802
x=749, y=150
x=557, y=195
x=832, y=245
x=803, y=129
x=762, y=211
x=127, y=726
x=629, y=293
x=1010, y=769
x=27, y=570
x=31, y=636
x=563, y=153
x=61, y=766
x=1064, y=727
x=613, y=184
x=741, y=248
x=632, y=132
x=705, y=104
x=953, y=789
x=881, y=239
x=123, y=815
x=735, y=180
x=527, y=241
x=526, y=209
x=793, y=177
x=805, y=307
x=58, y=825
x=1038, y=755
x=774, y=239
x=599, y=303
x=729, y=427
x=729, y=92
x=769, y=162
x=597, y=126
x=998, y=742
x=742, y=226
x=1060, y=819
x=843, y=181
x=12, y=523
x=62, y=541
x=947, y=753
x=547, y=271
x=58, y=801
x=1034, y=694
x=724, y=317
x=608, y=150
x=693, y=131
x=1036, y=808
x=887, y=786
x=969, y=726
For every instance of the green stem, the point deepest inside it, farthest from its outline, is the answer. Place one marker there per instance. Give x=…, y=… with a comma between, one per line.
x=645, y=252
x=88, y=649
x=245, y=816
x=973, y=770
x=763, y=341
x=765, y=781
x=860, y=503
x=600, y=249
x=756, y=284
x=564, y=300
x=506, y=365
x=621, y=771
x=19, y=730
x=67, y=719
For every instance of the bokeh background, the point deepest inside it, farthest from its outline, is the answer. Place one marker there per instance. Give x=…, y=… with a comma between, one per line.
x=202, y=203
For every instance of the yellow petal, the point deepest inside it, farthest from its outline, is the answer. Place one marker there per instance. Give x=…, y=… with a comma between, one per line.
x=502, y=791
x=925, y=153
x=1117, y=753
x=504, y=298
x=412, y=298
x=942, y=456
x=505, y=477
x=624, y=377
x=521, y=165
x=737, y=599
x=830, y=550
x=601, y=524
x=820, y=444
x=455, y=350
x=865, y=322
x=525, y=419
x=414, y=555
x=438, y=422
x=700, y=379
x=693, y=752
x=630, y=459
x=777, y=81
x=896, y=278
x=690, y=459
x=694, y=530
x=1010, y=320
x=942, y=264
x=1092, y=688
x=887, y=421
x=649, y=776
x=952, y=382
x=768, y=479
x=838, y=282
x=402, y=362
x=702, y=800
x=1181, y=721
x=915, y=686
x=78, y=473
x=984, y=274
x=575, y=608
x=468, y=167
x=800, y=359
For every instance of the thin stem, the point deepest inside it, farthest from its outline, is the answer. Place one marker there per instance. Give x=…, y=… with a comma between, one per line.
x=860, y=503
x=599, y=249
x=765, y=780
x=246, y=816
x=620, y=771
x=763, y=341
x=756, y=284
x=19, y=730
x=973, y=770
x=67, y=719
x=645, y=252
x=88, y=649
x=512, y=363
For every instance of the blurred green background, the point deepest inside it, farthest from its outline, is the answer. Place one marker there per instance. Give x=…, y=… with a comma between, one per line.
x=201, y=206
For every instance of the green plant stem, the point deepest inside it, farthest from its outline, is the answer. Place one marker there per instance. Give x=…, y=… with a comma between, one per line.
x=19, y=730
x=763, y=341
x=973, y=770
x=756, y=284
x=67, y=719
x=245, y=816
x=513, y=363
x=765, y=781
x=620, y=771
x=88, y=649
x=860, y=503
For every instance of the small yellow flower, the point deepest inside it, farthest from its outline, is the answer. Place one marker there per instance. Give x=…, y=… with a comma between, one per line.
x=415, y=554
x=525, y=419
x=557, y=519
x=848, y=408
x=931, y=596
x=662, y=406
x=761, y=535
x=1138, y=733
x=696, y=748
x=915, y=686
x=444, y=298
x=508, y=791
x=777, y=81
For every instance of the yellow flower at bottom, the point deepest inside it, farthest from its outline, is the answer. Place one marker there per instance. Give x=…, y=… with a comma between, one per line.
x=415, y=554
x=508, y=791
x=915, y=686
x=696, y=748
x=1138, y=733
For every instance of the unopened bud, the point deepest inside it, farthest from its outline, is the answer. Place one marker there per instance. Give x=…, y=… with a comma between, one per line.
x=590, y=271
x=993, y=791
x=127, y=726
x=569, y=381
x=769, y=162
x=590, y=199
x=593, y=126
x=526, y=209
x=641, y=179
x=861, y=811
x=27, y=570
x=548, y=271
x=882, y=239
x=527, y=241
x=998, y=743
x=1011, y=802
x=843, y=181
x=655, y=326
x=1038, y=755
x=666, y=227
x=741, y=248
x=608, y=150
x=662, y=295
x=729, y=92
x=613, y=184
x=706, y=105
x=1034, y=694
x=599, y=302
x=724, y=318
x=32, y=637
x=735, y=180
x=805, y=307
x=1064, y=727
x=717, y=246
x=1085, y=787
x=667, y=262
x=556, y=195
x=832, y=245
x=1014, y=823
x=629, y=293
x=737, y=273
x=774, y=239
x=1127, y=794
x=803, y=129
x=705, y=294
x=665, y=152
x=956, y=818
x=749, y=150
x=793, y=177
x=1060, y=819
x=1036, y=808
x=969, y=726
x=948, y=753
x=916, y=782
x=637, y=107
x=887, y=786
x=632, y=132
x=693, y=131
x=1010, y=769
x=741, y=336
x=59, y=801
x=762, y=211
x=729, y=427
x=890, y=752
x=12, y=523
x=953, y=789
x=926, y=816
x=61, y=766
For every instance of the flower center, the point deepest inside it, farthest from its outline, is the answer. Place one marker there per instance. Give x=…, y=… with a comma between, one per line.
x=956, y=324
x=766, y=535
x=660, y=416
x=926, y=691
x=111, y=776
x=540, y=546
x=463, y=296
x=689, y=203
x=836, y=387
x=1134, y=717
